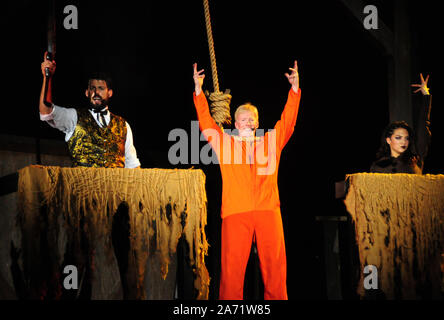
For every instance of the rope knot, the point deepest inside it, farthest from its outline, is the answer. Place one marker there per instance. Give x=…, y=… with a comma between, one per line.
x=220, y=107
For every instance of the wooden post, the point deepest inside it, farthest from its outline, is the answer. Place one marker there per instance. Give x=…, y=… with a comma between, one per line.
x=396, y=46
x=401, y=107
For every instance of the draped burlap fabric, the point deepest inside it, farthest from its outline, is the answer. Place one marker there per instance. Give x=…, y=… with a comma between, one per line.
x=399, y=229
x=162, y=205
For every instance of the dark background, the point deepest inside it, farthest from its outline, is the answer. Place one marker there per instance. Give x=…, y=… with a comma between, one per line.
x=149, y=48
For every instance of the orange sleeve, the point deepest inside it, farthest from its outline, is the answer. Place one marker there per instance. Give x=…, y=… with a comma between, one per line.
x=207, y=124
x=285, y=126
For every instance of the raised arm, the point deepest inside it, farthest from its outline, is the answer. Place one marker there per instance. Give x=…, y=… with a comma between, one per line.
x=63, y=119
x=51, y=65
x=201, y=103
x=208, y=126
x=293, y=78
x=423, y=132
x=285, y=126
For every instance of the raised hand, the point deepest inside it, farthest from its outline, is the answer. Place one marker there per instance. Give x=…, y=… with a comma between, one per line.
x=48, y=64
x=198, y=77
x=423, y=86
x=293, y=78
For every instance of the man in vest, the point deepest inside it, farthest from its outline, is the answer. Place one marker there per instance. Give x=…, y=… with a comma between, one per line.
x=95, y=136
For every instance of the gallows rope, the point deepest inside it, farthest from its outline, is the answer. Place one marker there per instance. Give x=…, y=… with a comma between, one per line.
x=219, y=102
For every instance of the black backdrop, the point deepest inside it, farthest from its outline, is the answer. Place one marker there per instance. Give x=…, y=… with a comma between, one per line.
x=149, y=48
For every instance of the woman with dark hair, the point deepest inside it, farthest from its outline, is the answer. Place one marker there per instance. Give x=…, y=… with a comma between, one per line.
x=401, y=150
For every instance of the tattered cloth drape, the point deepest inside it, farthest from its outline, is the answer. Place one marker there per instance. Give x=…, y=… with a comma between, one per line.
x=162, y=206
x=399, y=229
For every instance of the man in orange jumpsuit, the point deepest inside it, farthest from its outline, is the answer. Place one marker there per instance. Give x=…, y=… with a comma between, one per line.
x=250, y=197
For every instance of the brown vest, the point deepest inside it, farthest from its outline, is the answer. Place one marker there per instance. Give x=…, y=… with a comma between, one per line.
x=92, y=146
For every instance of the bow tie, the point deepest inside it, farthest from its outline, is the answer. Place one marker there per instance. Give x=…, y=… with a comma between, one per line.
x=103, y=112
x=101, y=116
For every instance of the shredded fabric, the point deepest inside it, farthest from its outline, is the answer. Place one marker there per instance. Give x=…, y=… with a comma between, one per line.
x=85, y=199
x=399, y=228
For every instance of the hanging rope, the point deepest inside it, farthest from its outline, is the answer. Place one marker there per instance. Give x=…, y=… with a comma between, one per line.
x=219, y=102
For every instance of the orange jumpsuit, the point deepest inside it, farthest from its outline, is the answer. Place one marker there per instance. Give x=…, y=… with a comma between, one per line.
x=250, y=200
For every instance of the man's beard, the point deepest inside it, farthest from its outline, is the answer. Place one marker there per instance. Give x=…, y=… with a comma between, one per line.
x=99, y=107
